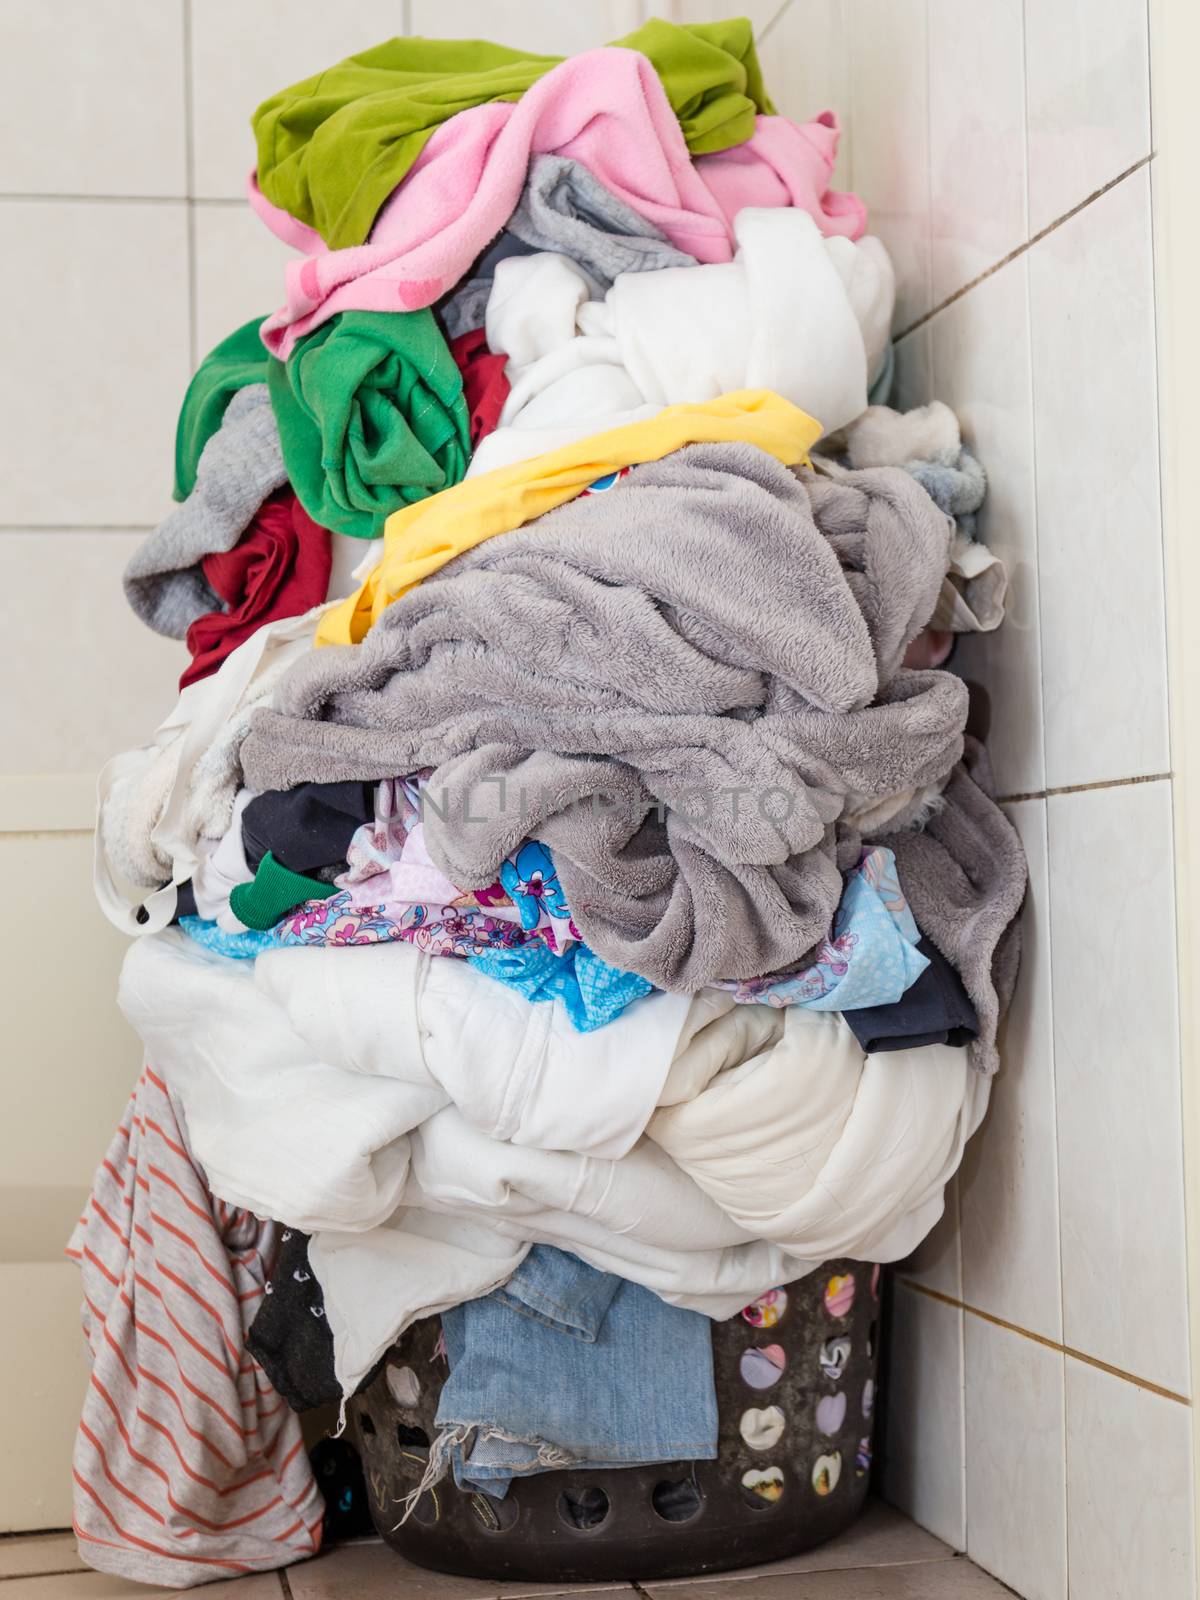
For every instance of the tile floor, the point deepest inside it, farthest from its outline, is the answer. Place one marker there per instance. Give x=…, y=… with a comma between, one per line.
x=885, y=1557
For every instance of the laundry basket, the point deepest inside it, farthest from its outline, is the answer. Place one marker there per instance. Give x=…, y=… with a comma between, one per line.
x=796, y=1380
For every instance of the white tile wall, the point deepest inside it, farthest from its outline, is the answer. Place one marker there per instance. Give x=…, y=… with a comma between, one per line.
x=1129, y=1490
x=1087, y=88
x=1100, y=542
x=890, y=168
x=974, y=131
x=1117, y=1073
x=96, y=361
x=90, y=94
x=969, y=130
x=976, y=141
x=1016, y=1474
x=74, y=635
x=980, y=365
x=238, y=270
x=922, y=1466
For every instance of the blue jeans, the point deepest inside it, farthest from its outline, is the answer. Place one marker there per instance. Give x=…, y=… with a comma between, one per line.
x=567, y=1366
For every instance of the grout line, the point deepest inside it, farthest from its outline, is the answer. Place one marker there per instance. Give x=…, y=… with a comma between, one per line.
x=777, y=17
x=406, y=18
x=1021, y=249
x=1085, y=788
x=100, y=199
x=285, y=1587
x=1048, y=1344
x=77, y=527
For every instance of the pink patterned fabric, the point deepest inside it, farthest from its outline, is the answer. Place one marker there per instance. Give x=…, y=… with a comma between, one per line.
x=605, y=108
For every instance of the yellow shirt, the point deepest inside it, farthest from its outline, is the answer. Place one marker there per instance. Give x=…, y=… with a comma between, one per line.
x=423, y=537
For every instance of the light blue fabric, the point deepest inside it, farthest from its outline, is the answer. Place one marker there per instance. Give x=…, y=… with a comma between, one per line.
x=871, y=958
x=240, y=946
x=956, y=484
x=567, y=1366
x=592, y=991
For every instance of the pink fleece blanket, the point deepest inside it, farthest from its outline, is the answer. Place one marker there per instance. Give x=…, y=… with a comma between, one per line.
x=605, y=108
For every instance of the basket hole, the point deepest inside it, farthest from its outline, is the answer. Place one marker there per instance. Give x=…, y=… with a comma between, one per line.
x=410, y=1437
x=762, y=1366
x=872, y=1340
x=404, y=1386
x=497, y=1516
x=762, y=1487
x=583, y=1508
x=676, y=1500
x=366, y=1424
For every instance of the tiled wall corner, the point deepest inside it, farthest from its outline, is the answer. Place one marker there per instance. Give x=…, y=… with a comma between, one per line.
x=1015, y=1473
x=1002, y=148
x=922, y=1467
x=1117, y=1080
x=1129, y=1489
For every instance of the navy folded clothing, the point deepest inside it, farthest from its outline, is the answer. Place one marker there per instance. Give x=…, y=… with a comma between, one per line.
x=935, y=1010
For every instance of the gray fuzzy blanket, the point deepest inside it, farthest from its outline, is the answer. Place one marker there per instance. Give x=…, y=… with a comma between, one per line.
x=677, y=685
x=965, y=875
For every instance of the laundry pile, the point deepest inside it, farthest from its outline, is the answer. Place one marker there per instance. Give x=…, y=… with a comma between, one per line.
x=564, y=898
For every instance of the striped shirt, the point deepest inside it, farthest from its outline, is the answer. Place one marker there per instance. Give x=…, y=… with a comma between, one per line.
x=188, y=1466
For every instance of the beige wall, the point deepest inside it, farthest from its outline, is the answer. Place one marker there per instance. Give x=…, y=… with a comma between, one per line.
x=1041, y=1380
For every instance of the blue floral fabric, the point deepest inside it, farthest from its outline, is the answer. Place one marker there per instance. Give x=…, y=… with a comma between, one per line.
x=592, y=991
x=871, y=958
x=240, y=946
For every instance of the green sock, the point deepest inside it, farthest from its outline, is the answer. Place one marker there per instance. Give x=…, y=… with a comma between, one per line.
x=276, y=890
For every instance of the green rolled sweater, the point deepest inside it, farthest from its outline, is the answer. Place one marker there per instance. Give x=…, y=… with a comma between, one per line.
x=333, y=147
x=371, y=417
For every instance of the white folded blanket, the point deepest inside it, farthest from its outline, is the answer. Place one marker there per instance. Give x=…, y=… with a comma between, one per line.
x=427, y=1126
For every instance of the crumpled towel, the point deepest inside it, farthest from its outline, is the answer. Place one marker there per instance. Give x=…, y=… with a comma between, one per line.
x=802, y=316
x=332, y=147
x=565, y=208
x=278, y=568
x=965, y=876
x=421, y=539
x=605, y=109
x=371, y=418
x=684, y=749
x=240, y=466
x=927, y=443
